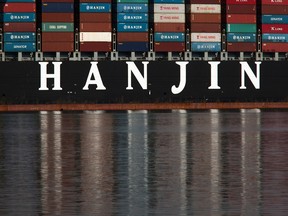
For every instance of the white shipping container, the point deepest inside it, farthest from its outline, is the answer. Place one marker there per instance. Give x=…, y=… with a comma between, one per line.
x=205, y=8
x=95, y=37
x=169, y=18
x=205, y=37
x=169, y=8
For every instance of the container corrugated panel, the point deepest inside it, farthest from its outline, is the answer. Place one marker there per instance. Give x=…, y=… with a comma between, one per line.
x=19, y=47
x=205, y=8
x=57, y=7
x=89, y=1
x=132, y=37
x=58, y=46
x=95, y=7
x=205, y=27
x=18, y=7
x=274, y=9
x=205, y=18
x=169, y=27
x=241, y=9
x=95, y=46
x=57, y=17
x=205, y=37
x=19, y=36
x=7, y=1
x=271, y=19
x=169, y=37
x=132, y=8
x=132, y=17
x=95, y=17
x=241, y=37
x=275, y=28
x=205, y=47
x=132, y=46
x=241, y=2
x=93, y=27
x=132, y=27
x=274, y=47
x=274, y=2
x=95, y=37
x=241, y=47
x=169, y=46
x=169, y=8
x=19, y=17
x=169, y=18
x=20, y=27
x=241, y=28
x=275, y=38
x=133, y=1
x=57, y=36
x=57, y=27
x=204, y=1
x=169, y=1
x=241, y=18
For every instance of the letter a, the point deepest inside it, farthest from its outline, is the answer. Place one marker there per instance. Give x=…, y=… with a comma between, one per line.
x=94, y=71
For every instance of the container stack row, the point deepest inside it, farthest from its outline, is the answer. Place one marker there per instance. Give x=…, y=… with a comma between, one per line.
x=57, y=25
x=274, y=26
x=132, y=26
x=169, y=25
x=19, y=25
x=241, y=28
x=205, y=25
x=95, y=25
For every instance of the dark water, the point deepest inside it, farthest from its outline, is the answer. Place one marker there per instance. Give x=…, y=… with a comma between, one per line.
x=144, y=163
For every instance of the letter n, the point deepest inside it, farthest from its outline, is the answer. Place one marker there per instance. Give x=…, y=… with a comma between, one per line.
x=55, y=76
x=255, y=79
x=141, y=79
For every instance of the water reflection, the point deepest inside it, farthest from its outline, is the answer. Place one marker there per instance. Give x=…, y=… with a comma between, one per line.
x=144, y=163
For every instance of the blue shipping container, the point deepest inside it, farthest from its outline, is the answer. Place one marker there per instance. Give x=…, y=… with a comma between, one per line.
x=132, y=17
x=132, y=8
x=275, y=38
x=20, y=47
x=95, y=7
x=241, y=37
x=169, y=37
x=19, y=36
x=57, y=7
x=271, y=19
x=133, y=46
x=170, y=1
x=132, y=27
x=19, y=17
x=205, y=47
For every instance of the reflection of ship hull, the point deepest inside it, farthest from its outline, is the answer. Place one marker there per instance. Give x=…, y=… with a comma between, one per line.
x=142, y=82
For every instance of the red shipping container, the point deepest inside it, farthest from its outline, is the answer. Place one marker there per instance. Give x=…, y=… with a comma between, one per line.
x=205, y=27
x=95, y=17
x=205, y=18
x=275, y=47
x=57, y=46
x=241, y=9
x=275, y=28
x=241, y=18
x=169, y=27
x=132, y=37
x=205, y=1
x=169, y=47
x=274, y=2
x=18, y=7
x=241, y=47
x=57, y=36
x=274, y=9
x=95, y=46
x=19, y=27
x=242, y=2
x=94, y=1
x=57, y=17
x=95, y=27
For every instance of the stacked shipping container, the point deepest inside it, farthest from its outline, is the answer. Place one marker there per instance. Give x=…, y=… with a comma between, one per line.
x=132, y=25
x=274, y=26
x=57, y=25
x=169, y=25
x=19, y=25
x=205, y=25
x=95, y=25
x=241, y=25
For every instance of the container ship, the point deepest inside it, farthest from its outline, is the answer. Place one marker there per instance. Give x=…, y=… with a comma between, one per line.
x=143, y=51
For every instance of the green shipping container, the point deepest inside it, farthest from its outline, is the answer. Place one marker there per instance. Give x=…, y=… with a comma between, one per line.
x=133, y=1
x=57, y=27
x=241, y=28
